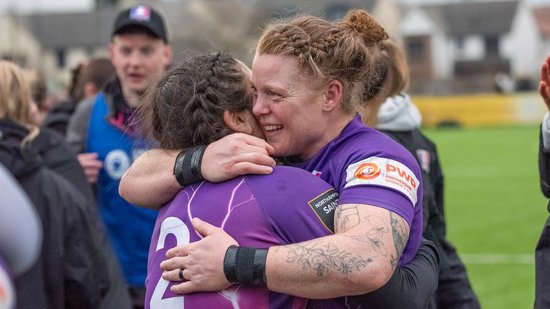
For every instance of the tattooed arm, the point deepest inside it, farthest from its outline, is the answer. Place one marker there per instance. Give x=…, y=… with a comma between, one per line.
x=359, y=258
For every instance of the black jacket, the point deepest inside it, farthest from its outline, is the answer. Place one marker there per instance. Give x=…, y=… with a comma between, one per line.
x=57, y=155
x=59, y=116
x=76, y=267
x=544, y=169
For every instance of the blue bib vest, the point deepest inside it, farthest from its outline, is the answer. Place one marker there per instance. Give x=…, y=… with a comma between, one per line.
x=129, y=227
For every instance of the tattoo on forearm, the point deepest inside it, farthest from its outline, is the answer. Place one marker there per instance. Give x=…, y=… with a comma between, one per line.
x=323, y=258
x=374, y=235
x=399, y=236
x=346, y=217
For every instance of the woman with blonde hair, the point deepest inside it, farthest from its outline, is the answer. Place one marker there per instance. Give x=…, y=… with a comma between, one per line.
x=76, y=267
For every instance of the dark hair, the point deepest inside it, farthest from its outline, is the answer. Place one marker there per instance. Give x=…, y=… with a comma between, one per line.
x=185, y=107
x=97, y=71
x=74, y=90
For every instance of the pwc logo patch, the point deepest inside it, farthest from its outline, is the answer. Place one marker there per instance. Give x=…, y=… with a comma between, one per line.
x=383, y=172
x=367, y=171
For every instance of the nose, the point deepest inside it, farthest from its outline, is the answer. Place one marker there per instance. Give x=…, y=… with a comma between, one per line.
x=134, y=59
x=260, y=106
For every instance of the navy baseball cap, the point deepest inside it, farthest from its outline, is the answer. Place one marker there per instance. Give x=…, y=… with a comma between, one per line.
x=144, y=16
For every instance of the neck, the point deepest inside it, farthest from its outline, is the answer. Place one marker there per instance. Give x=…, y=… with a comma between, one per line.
x=337, y=125
x=132, y=98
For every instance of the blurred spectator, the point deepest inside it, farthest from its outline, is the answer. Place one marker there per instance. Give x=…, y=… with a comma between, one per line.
x=76, y=267
x=392, y=112
x=542, y=252
x=101, y=128
x=40, y=95
x=88, y=78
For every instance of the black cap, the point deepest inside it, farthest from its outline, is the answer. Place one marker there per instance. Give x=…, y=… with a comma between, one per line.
x=144, y=16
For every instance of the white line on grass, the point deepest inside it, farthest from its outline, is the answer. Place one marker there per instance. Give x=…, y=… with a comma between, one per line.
x=497, y=258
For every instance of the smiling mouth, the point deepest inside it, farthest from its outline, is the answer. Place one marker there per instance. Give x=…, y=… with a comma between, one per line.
x=272, y=128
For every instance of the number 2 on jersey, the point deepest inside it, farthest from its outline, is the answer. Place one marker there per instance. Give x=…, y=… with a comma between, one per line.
x=176, y=227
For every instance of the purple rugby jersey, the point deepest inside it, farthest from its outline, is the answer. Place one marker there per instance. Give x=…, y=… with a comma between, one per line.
x=368, y=167
x=288, y=206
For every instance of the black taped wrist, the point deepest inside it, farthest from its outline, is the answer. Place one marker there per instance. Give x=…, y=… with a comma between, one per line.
x=187, y=168
x=245, y=265
x=229, y=264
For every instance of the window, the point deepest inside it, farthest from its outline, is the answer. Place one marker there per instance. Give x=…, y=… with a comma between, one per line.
x=61, y=58
x=415, y=50
x=491, y=46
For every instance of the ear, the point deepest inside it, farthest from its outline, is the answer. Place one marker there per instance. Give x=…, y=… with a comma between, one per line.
x=111, y=51
x=168, y=55
x=238, y=121
x=333, y=95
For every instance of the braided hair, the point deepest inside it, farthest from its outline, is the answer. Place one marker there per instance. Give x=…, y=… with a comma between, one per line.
x=325, y=51
x=185, y=107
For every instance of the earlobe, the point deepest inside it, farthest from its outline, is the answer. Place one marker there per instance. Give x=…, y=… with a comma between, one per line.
x=333, y=95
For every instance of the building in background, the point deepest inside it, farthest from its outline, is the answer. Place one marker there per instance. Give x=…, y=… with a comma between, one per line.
x=453, y=46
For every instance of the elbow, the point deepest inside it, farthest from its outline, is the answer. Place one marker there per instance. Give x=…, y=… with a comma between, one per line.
x=371, y=279
x=124, y=189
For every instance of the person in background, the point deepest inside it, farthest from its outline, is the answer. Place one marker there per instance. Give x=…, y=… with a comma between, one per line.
x=542, y=251
x=391, y=111
x=40, y=94
x=308, y=77
x=76, y=267
x=17, y=254
x=101, y=129
x=88, y=78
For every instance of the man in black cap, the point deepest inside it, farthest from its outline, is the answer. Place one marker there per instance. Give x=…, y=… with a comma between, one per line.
x=102, y=131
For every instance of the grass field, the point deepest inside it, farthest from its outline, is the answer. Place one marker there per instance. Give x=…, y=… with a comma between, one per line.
x=494, y=208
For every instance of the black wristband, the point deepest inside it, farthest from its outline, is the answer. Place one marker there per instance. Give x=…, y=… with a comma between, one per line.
x=187, y=168
x=245, y=265
x=229, y=264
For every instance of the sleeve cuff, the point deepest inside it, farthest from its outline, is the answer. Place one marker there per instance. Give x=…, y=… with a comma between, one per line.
x=546, y=132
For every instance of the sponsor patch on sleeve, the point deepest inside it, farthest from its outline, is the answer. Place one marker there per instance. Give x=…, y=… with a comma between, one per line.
x=383, y=172
x=324, y=206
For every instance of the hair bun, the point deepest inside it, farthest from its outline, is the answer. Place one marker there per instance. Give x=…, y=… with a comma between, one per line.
x=364, y=24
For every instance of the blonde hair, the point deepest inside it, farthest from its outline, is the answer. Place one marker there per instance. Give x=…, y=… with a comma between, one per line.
x=393, y=78
x=15, y=97
x=325, y=51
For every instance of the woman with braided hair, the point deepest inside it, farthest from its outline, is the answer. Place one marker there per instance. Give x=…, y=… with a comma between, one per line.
x=200, y=101
x=308, y=76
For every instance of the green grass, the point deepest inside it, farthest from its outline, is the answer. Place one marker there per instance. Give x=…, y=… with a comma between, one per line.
x=494, y=206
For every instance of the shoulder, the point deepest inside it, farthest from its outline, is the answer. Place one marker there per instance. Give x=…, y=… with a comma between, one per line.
x=291, y=196
x=86, y=105
x=286, y=179
x=370, y=143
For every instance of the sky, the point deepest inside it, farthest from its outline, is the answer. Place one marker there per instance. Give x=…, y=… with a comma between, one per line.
x=46, y=6
x=28, y=6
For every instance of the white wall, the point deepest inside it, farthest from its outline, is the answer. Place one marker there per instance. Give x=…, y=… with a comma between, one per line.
x=523, y=44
